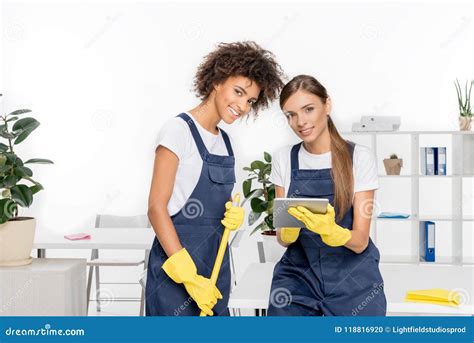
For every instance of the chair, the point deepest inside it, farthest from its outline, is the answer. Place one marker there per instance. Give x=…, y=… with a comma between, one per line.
x=110, y=221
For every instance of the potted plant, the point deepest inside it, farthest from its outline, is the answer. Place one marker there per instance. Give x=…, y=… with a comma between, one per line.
x=464, y=104
x=261, y=202
x=16, y=233
x=393, y=165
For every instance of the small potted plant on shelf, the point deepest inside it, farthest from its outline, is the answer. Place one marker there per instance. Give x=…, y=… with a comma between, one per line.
x=261, y=202
x=16, y=233
x=393, y=165
x=464, y=104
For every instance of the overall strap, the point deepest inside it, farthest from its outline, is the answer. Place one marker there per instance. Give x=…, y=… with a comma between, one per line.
x=227, y=142
x=194, y=131
x=296, y=148
x=295, y=165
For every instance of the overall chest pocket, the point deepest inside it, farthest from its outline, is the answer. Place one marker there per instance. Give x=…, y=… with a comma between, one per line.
x=221, y=174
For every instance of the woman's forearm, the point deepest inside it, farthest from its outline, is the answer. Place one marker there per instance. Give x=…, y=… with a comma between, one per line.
x=358, y=241
x=164, y=229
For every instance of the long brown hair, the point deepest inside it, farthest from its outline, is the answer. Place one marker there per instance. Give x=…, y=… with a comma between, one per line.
x=341, y=160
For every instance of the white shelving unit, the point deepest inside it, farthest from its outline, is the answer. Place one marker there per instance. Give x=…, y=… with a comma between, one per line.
x=455, y=227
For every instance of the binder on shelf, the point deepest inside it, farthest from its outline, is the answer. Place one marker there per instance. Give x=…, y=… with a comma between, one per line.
x=428, y=160
x=441, y=168
x=423, y=161
x=427, y=241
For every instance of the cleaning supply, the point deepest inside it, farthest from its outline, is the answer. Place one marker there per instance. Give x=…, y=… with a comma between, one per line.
x=435, y=296
x=289, y=235
x=181, y=269
x=78, y=236
x=323, y=224
x=234, y=223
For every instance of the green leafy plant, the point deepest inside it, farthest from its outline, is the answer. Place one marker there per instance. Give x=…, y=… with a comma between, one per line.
x=13, y=171
x=261, y=197
x=464, y=100
x=393, y=157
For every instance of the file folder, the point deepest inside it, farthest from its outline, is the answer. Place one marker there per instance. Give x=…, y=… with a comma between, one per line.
x=431, y=161
x=441, y=161
x=423, y=161
x=427, y=241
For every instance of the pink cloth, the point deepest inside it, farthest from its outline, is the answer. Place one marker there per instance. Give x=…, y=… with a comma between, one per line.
x=77, y=236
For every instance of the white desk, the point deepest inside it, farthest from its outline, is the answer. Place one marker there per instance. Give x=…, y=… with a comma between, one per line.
x=110, y=238
x=253, y=289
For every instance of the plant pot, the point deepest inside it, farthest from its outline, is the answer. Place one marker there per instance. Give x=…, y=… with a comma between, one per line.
x=272, y=249
x=393, y=165
x=16, y=241
x=465, y=123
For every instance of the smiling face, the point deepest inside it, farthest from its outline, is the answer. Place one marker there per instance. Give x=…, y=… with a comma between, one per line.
x=234, y=97
x=307, y=115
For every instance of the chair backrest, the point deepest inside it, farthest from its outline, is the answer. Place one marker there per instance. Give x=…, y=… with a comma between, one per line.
x=105, y=221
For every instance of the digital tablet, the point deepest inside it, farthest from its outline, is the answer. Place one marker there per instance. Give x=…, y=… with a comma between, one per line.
x=281, y=217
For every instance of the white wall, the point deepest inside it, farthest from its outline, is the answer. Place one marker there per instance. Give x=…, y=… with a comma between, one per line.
x=102, y=79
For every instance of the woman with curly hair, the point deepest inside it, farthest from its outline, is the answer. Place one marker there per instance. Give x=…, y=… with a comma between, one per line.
x=193, y=178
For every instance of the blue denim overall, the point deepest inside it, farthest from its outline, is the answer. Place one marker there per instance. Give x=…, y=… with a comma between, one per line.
x=200, y=230
x=314, y=279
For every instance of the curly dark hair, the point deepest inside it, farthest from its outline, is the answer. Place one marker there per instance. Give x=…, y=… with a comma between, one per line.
x=246, y=59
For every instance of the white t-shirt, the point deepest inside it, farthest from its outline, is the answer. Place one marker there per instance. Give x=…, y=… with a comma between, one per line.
x=177, y=137
x=364, y=166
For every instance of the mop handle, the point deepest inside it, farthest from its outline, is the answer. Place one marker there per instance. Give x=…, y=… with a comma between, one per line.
x=221, y=251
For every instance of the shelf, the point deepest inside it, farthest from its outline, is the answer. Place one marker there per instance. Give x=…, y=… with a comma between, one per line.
x=434, y=218
x=424, y=176
x=441, y=261
x=409, y=133
x=418, y=193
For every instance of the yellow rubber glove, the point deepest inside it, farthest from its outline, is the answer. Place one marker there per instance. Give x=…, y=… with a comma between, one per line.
x=289, y=235
x=435, y=296
x=181, y=269
x=323, y=224
x=234, y=214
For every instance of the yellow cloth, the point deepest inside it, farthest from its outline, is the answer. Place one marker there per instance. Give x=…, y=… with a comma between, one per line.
x=181, y=269
x=234, y=214
x=323, y=224
x=289, y=235
x=435, y=296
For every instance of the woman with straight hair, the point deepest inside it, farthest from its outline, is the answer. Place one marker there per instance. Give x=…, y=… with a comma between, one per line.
x=331, y=266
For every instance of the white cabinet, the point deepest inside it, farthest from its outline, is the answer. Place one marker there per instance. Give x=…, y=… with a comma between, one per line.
x=46, y=287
